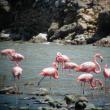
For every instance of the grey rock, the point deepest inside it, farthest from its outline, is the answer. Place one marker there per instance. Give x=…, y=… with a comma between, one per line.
x=40, y=38
x=40, y=92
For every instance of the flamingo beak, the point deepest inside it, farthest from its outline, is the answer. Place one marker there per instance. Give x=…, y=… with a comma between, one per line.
x=101, y=58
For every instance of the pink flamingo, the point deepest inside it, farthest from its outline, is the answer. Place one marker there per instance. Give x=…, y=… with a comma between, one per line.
x=7, y=52
x=91, y=66
x=17, y=72
x=49, y=72
x=106, y=73
x=69, y=65
x=61, y=59
x=17, y=57
x=88, y=78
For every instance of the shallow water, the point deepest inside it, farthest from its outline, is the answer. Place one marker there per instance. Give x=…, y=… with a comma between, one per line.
x=39, y=56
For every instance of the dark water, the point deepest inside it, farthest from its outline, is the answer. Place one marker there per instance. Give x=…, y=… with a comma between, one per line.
x=39, y=56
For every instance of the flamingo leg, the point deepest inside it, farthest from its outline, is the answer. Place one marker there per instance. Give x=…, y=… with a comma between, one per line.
x=83, y=88
x=105, y=87
x=16, y=90
x=38, y=84
x=50, y=84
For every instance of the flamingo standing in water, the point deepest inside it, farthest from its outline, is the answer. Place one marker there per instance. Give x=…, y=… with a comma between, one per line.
x=49, y=72
x=106, y=73
x=7, y=52
x=88, y=78
x=17, y=57
x=16, y=72
x=70, y=65
x=61, y=59
x=91, y=66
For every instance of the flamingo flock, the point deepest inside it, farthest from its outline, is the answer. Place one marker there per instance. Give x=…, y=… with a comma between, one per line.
x=16, y=58
x=64, y=62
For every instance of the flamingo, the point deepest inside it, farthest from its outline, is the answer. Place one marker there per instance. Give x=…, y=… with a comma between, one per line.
x=16, y=72
x=17, y=57
x=106, y=73
x=61, y=59
x=7, y=51
x=91, y=66
x=49, y=72
x=70, y=65
x=88, y=78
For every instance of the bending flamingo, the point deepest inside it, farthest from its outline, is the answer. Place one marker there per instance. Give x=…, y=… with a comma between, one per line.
x=70, y=65
x=17, y=72
x=49, y=72
x=106, y=73
x=7, y=52
x=88, y=78
x=91, y=66
x=17, y=57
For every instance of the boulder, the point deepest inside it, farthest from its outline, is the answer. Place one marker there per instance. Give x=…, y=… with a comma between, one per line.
x=4, y=36
x=70, y=99
x=63, y=31
x=40, y=38
x=40, y=92
x=104, y=42
x=9, y=90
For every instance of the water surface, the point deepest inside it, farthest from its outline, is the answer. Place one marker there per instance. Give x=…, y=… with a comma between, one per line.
x=39, y=56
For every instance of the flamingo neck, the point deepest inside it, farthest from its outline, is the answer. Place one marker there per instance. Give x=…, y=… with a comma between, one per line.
x=98, y=66
x=95, y=81
x=56, y=76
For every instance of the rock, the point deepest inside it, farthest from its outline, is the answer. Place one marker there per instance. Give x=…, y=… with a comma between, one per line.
x=81, y=103
x=104, y=22
x=90, y=11
x=29, y=83
x=80, y=39
x=104, y=42
x=46, y=108
x=40, y=38
x=8, y=90
x=90, y=106
x=4, y=36
x=40, y=92
x=87, y=18
x=63, y=31
x=23, y=108
x=12, y=107
x=53, y=27
x=83, y=99
x=83, y=25
x=70, y=99
x=48, y=99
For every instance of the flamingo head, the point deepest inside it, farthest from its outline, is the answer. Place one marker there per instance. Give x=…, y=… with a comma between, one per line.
x=59, y=54
x=98, y=55
x=55, y=65
x=105, y=65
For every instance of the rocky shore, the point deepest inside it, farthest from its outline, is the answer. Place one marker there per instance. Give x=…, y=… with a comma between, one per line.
x=73, y=22
x=47, y=101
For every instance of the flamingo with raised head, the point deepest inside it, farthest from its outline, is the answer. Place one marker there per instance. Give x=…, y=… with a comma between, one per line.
x=49, y=72
x=106, y=73
x=61, y=59
x=7, y=52
x=88, y=78
x=91, y=66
